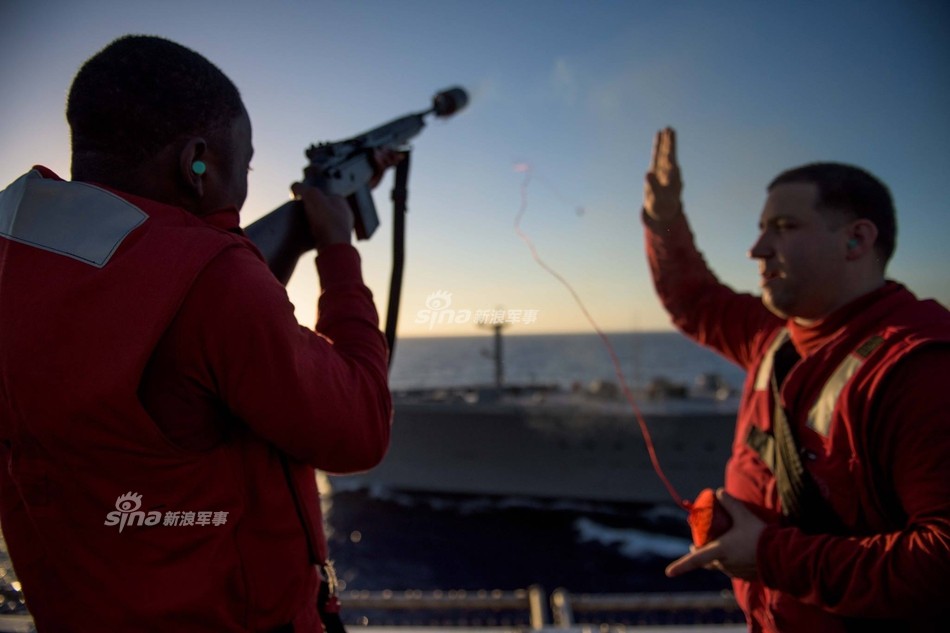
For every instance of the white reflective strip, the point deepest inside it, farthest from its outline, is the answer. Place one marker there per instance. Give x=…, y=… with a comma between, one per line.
x=70, y=218
x=763, y=377
x=819, y=418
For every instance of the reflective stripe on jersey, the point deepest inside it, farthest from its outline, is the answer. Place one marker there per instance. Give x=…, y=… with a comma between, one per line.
x=822, y=411
x=819, y=417
x=74, y=219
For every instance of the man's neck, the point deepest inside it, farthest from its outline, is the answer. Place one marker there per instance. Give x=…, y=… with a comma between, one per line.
x=860, y=290
x=808, y=338
x=151, y=181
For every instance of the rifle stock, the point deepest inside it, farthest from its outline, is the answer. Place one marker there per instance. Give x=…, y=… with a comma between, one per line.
x=283, y=236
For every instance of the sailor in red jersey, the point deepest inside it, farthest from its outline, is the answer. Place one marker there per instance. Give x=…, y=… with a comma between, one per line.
x=839, y=482
x=161, y=411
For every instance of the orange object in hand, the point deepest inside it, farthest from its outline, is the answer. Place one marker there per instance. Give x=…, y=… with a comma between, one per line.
x=707, y=518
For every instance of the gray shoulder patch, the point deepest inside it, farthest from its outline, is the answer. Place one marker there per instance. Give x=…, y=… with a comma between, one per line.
x=69, y=218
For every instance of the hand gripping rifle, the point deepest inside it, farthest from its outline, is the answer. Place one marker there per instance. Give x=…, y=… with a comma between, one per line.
x=346, y=168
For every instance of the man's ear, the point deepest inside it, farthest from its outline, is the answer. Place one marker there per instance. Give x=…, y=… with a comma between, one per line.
x=192, y=166
x=862, y=237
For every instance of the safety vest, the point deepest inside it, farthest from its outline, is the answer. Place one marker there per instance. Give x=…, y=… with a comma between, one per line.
x=831, y=395
x=778, y=448
x=109, y=525
x=832, y=416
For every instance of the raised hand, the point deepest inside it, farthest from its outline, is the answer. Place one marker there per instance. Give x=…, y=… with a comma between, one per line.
x=663, y=186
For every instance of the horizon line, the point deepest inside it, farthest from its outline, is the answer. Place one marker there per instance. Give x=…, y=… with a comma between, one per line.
x=488, y=333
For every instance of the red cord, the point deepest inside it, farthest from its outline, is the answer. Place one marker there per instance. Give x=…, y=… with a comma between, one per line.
x=627, y=392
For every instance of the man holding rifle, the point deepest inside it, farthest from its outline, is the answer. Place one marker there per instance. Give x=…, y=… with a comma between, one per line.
x=838, y=488
x=161, y=411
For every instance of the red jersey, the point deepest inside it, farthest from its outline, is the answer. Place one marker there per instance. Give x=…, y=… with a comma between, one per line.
x=162, y=413
x=879, y=452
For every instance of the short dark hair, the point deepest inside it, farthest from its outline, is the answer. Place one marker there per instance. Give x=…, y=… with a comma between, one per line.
x=853, y=191
x=141, y=93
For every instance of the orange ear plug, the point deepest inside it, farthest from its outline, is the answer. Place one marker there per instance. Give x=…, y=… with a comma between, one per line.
x=707, y=519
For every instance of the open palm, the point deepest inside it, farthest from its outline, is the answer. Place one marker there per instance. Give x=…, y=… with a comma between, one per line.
x=663, y=186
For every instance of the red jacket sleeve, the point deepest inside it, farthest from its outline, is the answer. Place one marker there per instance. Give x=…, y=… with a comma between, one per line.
x=904, y=573
x=701, y=307
x=323, y=398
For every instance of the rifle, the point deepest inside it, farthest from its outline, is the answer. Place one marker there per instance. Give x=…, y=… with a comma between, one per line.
x=344, y=168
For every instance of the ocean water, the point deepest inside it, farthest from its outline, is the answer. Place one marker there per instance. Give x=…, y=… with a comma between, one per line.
x=562, y=359
x=383, y=539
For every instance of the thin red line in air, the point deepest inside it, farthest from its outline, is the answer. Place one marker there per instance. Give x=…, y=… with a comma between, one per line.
x=625, y=388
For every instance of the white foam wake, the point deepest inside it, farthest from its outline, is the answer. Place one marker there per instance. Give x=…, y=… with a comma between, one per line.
x=633, y=543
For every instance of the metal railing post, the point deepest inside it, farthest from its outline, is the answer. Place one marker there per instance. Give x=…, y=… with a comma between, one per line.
x=561, y=609
x=538, y=604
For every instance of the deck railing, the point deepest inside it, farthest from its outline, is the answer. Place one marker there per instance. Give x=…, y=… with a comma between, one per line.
x=533, y=608
x=519, y=609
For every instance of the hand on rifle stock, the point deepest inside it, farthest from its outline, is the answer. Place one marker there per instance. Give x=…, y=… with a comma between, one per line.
x=329, y=217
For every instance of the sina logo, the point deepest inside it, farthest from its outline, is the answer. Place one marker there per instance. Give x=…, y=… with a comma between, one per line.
x=127, y=512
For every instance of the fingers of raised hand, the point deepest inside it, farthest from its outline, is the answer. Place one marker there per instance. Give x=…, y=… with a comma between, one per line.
x=663, y=159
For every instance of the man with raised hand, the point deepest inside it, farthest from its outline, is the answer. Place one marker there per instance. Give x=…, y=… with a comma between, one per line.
x=838, y=487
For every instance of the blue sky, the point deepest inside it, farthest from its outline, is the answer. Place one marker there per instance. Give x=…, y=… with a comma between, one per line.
x=575, y=90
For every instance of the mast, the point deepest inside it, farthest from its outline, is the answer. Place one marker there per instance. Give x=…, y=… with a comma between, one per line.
x=497, y=355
